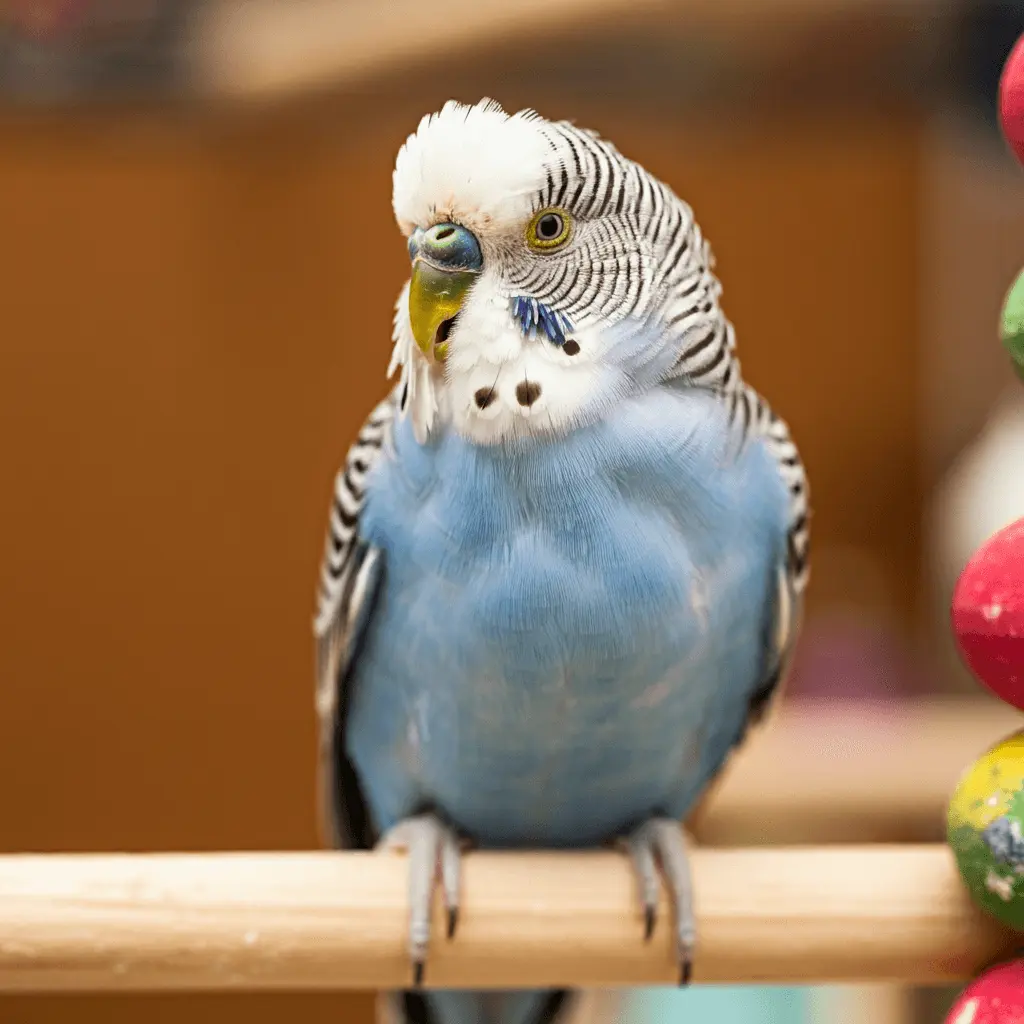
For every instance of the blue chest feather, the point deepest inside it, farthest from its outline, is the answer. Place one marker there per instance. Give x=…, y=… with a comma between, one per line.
x=568, y=632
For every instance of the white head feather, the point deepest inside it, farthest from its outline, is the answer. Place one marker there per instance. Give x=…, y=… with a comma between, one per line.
x=476, y=165
x=490, y=171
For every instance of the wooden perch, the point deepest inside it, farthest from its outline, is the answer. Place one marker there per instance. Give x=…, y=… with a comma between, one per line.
x=337, y=920
x=852, y=770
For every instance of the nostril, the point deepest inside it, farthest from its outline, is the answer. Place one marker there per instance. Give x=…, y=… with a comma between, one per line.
x=451, y=247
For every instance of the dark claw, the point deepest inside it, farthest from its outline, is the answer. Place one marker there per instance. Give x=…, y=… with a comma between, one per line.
x=685, y=972
x=649, y=917
x=417, y=974
x=453, y=921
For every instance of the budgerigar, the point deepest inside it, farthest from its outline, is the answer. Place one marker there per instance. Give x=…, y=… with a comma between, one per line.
x=566, y=556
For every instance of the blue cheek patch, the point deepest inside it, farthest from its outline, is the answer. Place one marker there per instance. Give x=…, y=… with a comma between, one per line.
x=534, y=317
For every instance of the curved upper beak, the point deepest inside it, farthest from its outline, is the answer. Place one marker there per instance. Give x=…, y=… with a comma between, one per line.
x=446, y=260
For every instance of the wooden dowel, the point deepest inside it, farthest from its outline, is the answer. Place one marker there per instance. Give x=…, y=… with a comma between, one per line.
x=852, y=771
x=327, y=920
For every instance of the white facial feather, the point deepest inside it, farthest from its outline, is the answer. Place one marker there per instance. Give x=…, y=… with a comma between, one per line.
x=494, y=367
x=476, y=165
x=417, y=374
x=490, y=172
x=481, y=167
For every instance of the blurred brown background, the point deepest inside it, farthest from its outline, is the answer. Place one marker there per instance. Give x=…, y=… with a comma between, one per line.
x=195, y=317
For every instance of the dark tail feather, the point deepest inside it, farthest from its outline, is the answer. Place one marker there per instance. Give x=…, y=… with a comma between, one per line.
x=481, y=1007
x=415, y=1009
x=555, y=1008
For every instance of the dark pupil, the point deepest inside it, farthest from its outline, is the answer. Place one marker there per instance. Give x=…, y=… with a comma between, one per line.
x=550, y=226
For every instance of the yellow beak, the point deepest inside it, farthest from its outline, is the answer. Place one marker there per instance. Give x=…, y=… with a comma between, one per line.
x=446, y=259
x=435, y=298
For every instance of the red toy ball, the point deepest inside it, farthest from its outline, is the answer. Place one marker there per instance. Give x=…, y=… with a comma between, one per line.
x=1011, y=99
x=988, y=614
x=996, y=997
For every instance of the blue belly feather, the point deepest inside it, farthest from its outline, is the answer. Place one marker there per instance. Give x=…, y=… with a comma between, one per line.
x=568, y=632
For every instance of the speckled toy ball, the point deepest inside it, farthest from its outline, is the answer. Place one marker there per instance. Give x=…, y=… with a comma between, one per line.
x=1012, y=326
x=1011, y=99
x=985, y=829
x=995, y=997
x=988, y=614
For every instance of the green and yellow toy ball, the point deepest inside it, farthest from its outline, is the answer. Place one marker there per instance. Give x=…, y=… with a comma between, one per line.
x=985, y=828
x=1012, y=328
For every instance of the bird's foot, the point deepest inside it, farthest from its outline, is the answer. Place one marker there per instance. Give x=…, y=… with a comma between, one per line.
x=661, y=842
x=434, y=851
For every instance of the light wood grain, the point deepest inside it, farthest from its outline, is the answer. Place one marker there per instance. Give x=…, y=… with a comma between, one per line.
x=336, y=921
x=852, y=771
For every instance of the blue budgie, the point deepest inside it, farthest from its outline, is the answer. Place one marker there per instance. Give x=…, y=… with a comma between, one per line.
x=566, y=556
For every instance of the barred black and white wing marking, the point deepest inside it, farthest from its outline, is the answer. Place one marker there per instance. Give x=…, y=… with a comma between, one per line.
x=349, y=574
x=752, y=414
x=754, y=417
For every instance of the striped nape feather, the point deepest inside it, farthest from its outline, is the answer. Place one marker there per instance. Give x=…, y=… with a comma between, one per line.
x=644, y=255
x=670, y=280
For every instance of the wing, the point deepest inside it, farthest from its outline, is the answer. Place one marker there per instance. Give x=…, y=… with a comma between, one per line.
x=784, y=622
x=350, y=575
x=780, y=639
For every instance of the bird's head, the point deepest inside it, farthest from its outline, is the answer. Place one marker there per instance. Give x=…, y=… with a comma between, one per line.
x=550, y=276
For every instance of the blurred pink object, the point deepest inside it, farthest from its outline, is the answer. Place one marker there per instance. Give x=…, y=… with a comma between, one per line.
x=848, y=655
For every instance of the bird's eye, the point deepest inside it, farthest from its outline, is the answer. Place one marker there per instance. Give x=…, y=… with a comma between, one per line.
x=549, y=229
